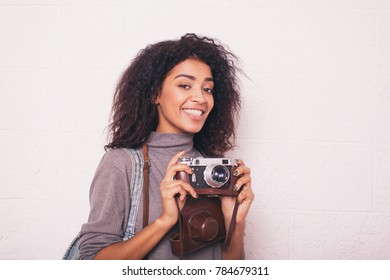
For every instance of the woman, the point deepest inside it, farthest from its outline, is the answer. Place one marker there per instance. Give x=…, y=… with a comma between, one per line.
x=182, y=97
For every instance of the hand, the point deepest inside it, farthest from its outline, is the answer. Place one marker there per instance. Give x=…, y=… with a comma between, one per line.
x=172, y=189
x=244, y=199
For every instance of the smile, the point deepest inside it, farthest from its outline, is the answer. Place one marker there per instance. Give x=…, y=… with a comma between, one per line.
x=194, y=112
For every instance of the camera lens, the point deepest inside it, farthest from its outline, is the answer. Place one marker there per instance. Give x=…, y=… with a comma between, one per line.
x=216, y=175
x=219, y=174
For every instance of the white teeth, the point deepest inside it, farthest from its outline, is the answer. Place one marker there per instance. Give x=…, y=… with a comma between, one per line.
x=193, y=112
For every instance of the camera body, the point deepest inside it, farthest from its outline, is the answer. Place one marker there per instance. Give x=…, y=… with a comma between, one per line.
x=210, y=176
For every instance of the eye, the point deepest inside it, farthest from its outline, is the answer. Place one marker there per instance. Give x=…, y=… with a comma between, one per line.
x=209, y=90
x=185, y=86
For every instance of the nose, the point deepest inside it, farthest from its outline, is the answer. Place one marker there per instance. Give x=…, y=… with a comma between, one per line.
x=198, y=96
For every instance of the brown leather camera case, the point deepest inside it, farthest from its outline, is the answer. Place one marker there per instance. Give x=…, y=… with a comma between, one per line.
x=201, y=223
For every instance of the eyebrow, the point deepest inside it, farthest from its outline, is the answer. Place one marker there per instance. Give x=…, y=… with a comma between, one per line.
x=208, y=79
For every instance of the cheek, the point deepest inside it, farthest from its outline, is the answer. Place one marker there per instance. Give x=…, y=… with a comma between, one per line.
x=210, y=102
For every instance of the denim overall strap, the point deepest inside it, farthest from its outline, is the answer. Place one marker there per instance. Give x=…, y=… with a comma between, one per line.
x=136, y=182
x=73, y=251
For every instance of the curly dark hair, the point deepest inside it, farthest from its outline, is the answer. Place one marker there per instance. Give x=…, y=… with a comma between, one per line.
x=134, y=114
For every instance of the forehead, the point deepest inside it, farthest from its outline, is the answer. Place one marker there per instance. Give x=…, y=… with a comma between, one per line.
x=193, y=67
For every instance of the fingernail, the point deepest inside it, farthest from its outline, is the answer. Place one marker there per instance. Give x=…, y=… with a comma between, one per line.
x=235, y=173
x=236, y=187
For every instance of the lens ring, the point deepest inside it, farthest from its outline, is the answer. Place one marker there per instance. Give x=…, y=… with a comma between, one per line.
x=216, y=175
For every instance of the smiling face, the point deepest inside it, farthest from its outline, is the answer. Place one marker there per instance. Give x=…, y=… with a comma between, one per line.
x=186, y=98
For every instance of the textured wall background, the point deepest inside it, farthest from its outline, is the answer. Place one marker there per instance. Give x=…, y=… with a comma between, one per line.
x=314, y=129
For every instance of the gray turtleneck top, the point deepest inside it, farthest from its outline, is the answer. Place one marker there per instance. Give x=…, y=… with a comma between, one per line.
x=110, y=198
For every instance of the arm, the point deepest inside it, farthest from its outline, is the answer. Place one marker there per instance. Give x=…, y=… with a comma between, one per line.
x=143, y=242
x=137, y=247
x=236, y=249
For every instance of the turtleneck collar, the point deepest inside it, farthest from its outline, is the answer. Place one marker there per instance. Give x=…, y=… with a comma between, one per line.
x=171, y=141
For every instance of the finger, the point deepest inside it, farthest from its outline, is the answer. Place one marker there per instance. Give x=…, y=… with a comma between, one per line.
x=170, y=191
x=182, y=194
x=243, y=181
x=246, y=195
x=189, y=189
x=173, y=169
x=241, y=170
x=181, y=203
x=175, y=158
x=240, y=162
x=177, y=186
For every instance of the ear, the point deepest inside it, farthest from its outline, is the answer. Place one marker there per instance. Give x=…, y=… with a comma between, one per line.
x=156, y=100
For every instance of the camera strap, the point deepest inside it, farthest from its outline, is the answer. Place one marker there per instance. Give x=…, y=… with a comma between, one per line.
x=145, y=186
x=181, y=231
x=229, y=234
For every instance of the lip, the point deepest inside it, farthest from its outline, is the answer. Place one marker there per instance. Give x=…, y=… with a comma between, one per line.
x=193, y=116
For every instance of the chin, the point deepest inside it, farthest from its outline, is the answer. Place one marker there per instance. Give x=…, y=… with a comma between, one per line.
x=192, y=130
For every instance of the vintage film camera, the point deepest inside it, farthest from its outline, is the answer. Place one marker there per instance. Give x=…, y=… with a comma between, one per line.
x=210, y=176
x=201, y=221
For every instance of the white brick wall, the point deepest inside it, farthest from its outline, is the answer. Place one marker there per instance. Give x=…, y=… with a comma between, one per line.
x=314, y=128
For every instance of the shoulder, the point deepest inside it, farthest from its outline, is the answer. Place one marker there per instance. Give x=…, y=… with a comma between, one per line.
x=119, y=158
x=113, y=174
x=115, y=155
